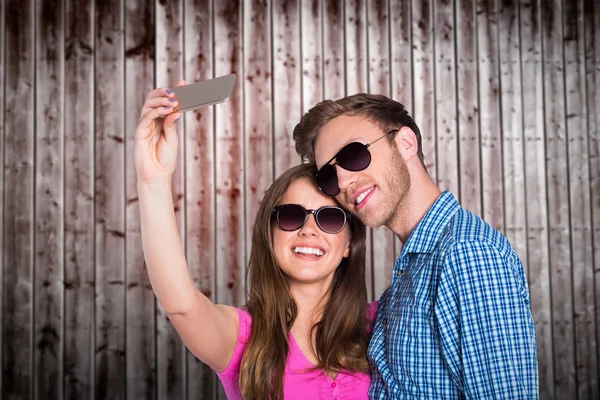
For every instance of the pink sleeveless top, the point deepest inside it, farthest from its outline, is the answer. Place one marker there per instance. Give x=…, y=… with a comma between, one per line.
x=297, y=382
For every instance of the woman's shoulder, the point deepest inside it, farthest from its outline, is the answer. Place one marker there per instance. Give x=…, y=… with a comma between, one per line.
x=371, y=310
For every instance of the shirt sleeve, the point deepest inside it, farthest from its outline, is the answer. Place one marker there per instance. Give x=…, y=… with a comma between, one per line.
x=485, y=323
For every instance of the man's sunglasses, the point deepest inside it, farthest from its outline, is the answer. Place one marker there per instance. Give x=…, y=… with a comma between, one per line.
x=291, y=217
x=354, y=156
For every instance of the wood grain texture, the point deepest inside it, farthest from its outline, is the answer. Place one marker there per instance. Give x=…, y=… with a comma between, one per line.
x=198, y=133
x=445, y=97
x=511, y=107
x=535, y=180
x=2, y=69
x=79, y=201
x=333, y=49
x=109, y=151
x=49, y=203
x=311, y=38
x=489, y=116
x=591, y=23
x=561, y=271
x=139, y=297
x=287, y=82
x=170, y=350
x=469, y=149
x=579, y=198
x=258, y=113
x=424, y=79
x=19, y=191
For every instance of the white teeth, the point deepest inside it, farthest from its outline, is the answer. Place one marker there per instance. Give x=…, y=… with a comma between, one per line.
x=362, y=196
x=308, y=250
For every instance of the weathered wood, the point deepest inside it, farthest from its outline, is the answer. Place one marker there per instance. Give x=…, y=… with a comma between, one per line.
x=18, y=191
x=287, y=81
x=382, y=239
x=591, y=22
x=333, y=49
x=312, y=53
x=579, y=198
x=171, y=352
x=561, y=271
x=258, y=115
x=489, y=116
x=198, y=133
x=49, y=207
x=229, y=153
x=469, y=149
x=536, y=198
x=2, y=63
x=109, y=171
x=515, y=226
x=79, y=201
x=356, y=59
x=445, y=96
x=139, y=297
x=423, y=80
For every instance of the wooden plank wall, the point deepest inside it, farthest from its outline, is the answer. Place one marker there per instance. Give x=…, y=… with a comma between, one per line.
x=506, y=93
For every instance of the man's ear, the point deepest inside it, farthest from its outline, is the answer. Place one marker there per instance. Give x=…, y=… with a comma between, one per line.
x=407, y=144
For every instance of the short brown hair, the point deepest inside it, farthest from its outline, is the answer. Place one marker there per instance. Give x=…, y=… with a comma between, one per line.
x=381, y=110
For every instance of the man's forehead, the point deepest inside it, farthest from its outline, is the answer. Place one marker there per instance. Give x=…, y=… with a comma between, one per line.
x=336, y=134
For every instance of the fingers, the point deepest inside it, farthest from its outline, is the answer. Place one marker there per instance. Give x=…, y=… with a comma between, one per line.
x=147, y=119
x=156, y=102
x=169, y=127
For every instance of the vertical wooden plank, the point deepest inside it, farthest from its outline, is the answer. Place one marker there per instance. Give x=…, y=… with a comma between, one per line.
x=511, y=107
x=333, y=49
x=382, y=239
x=139, y=297
x=3, y=146
x=200, y=184
x=79, y=200
x=258, y=116
x=469, y=150
x=312, y=53
x=536, y=197
x=355, y=42
x=579, y=197
x=445, y=96
x=423, y=79
x=109, y=153
x=287, y=81
x=561, y=273
x=229, y=153
x=48, y=258
x=171, y=352
x=489, y=116
x=19, y=193
x=356, y=59
x=591, y=13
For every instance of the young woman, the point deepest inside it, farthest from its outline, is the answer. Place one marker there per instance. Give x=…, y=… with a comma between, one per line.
x=305, y=331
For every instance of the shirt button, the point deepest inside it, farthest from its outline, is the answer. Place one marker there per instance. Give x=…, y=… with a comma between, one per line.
x=399, y=273
x=385, y=321
x=333, y=385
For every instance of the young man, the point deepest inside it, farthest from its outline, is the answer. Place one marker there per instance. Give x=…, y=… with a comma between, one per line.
x=455, y=323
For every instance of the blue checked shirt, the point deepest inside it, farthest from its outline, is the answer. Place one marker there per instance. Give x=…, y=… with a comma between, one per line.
x=455, y=323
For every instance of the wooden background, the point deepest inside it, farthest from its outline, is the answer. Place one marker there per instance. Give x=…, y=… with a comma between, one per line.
x=506, y=93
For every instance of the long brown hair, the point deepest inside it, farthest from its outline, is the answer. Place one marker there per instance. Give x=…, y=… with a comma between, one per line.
x=341, y=334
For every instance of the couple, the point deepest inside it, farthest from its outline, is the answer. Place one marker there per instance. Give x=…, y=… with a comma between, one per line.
x=455, y=322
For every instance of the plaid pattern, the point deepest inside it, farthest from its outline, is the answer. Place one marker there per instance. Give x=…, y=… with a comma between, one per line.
x=455, y=323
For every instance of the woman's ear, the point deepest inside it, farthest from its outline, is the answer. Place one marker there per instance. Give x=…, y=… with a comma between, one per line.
x=347, y=251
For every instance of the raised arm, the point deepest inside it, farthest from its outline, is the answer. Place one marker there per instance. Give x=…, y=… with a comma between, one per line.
x=210, y=331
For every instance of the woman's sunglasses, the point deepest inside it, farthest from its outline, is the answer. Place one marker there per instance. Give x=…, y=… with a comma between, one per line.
x=291, y=217
x=354, y=156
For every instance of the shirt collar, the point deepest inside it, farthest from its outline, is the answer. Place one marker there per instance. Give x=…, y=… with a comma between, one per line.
x=428, y=231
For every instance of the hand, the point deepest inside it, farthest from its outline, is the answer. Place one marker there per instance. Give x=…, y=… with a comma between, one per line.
x=156, y=140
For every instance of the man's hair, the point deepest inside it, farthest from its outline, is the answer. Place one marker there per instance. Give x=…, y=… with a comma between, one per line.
x=384, y=112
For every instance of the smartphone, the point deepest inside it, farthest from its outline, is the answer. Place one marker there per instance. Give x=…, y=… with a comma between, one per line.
x=204, y=93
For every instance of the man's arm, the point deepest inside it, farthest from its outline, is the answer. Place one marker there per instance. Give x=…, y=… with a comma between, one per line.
x=485, y=323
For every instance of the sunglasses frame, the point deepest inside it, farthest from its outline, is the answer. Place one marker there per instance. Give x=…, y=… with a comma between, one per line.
x=366, y=146
x=307, y=212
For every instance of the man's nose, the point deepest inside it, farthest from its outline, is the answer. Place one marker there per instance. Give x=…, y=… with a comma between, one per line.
x=345, y=178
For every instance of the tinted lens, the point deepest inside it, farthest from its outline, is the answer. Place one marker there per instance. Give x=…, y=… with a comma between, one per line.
x=290, y=217
x=354, y=157
x=331, y=219
x=327, y=180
